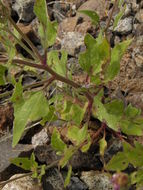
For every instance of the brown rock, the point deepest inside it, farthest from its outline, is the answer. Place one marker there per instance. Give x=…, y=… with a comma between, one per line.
x=99, y=6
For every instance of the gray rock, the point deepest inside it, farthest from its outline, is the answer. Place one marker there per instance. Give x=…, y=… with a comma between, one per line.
x=128, y=10
x=53, y=180
x=77, y=184
x=25, y=183
x=96, y=181
x=125, y=26
x=135, y=6
x=40, y=138
x=71, y=42
x=7, y=152
x=24, y=9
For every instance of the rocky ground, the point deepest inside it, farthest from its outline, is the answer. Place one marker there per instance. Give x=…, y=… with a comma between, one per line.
x=128, y=85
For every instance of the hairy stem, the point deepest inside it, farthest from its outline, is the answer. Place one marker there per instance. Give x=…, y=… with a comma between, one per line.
x=111, y=15
x=34, y=85
x=26, y=39
x=52, y=72
x=53, y=164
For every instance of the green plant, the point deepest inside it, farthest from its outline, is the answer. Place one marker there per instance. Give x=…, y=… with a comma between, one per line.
x=74, y=105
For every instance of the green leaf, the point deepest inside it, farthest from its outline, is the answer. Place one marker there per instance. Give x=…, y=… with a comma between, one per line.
x=116, y=56
x=117, y=18
x=134, y=154
x=73, y=112
x=115, y=107
x=102, y=114
x=17, y=95
x=131, y=128
x=137, y=178
x=47, y=29
x=77, y=113
x=50, y=116
x=68, y=177
x=2, y=74
x=58, y=64
x=40, y=9
x=92, y=14
x=86, y=146
x=131, y=111
x=118, y=162
x=32, y=109
x=102, y=146
x=77, y=135
x=96, y=54
x=47, y=35
x=57, y=142
x=67, y=156
x=42, y=172
x=24, y=163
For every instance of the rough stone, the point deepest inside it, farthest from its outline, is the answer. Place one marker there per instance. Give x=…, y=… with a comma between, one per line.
x=72, y=42
x=40, y=138
x=25, y=183
x=77, y=184
x=139, y=16
x=125, y=26
x=24, y=9
x=96, y=181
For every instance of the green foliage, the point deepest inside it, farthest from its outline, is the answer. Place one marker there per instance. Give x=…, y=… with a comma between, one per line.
x=102, y=145
x=73, y=112
x=31, y=109
x=92, y=14
x=116, y=55
x=31, y=165
x=67, y=180
x=97, y=53
x=129, y=155
x=71, y=103
x=47, y=30
x=56, y=142
x=59, y=65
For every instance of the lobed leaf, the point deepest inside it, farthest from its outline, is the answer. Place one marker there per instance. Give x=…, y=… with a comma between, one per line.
x=116, y=56
x=57, y=142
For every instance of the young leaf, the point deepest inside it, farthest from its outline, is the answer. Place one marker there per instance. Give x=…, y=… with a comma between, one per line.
x=68, y=177
x=103, y=146
x=131, y=111
x=92, y=14
x=47, y=30
x=57, y=142
x=86, y=146
x=67, y=156
x=34, y=108
x=102, y=114
x=130, y=128
x=116, y=56
x=58, y=64
x=77, y=113
x=77, y=135
x=96, y=54
x=73, y=112
x=117, y=18
x=40, y=9
x=137, y=178
x=24, y=163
